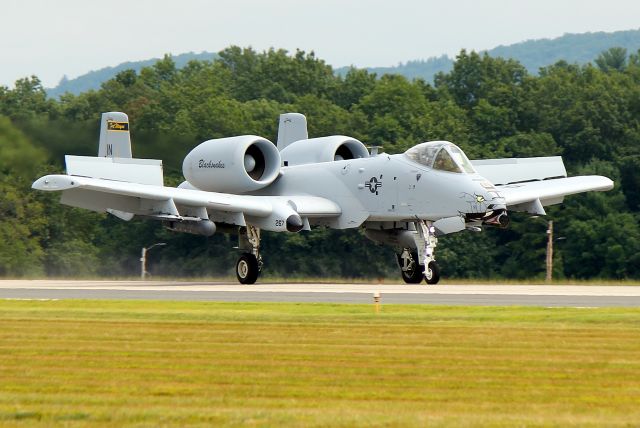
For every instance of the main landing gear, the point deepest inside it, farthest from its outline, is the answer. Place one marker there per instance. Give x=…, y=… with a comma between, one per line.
x=249, y=264
x=418, y=264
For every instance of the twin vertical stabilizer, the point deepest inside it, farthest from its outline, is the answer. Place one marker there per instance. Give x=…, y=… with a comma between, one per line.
x=115, y=141
x=292, y=127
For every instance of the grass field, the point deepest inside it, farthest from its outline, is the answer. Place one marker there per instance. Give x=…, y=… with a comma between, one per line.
x=136, y=363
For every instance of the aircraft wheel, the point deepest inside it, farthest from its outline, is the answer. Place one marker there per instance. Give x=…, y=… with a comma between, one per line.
x=247, y=269
x=432, y=273
x=412, y=275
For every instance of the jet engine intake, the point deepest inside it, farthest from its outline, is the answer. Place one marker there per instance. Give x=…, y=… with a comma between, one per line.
x=323, y=149
x=232, y=165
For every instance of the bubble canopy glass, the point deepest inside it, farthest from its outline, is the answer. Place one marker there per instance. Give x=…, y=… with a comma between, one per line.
x=442, y=156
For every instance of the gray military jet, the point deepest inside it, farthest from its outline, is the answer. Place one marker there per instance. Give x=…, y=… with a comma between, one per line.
x=246, y=184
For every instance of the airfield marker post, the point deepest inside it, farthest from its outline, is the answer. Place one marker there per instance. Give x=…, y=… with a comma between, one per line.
x=376, y=301
x=549, y=251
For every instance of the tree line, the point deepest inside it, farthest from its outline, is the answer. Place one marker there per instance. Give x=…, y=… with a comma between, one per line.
x=490, y=107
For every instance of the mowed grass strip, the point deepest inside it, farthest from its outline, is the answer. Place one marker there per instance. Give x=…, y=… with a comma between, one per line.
x=141, y=363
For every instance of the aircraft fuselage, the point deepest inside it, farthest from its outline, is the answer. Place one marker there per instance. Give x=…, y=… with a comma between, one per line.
x=389, y=188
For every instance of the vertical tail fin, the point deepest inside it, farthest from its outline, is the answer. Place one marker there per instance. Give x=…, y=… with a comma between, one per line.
x=292, y=127
x=115, y=141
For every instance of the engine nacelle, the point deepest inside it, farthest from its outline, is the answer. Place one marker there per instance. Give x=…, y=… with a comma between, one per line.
x=323, y=149
x=232, y=165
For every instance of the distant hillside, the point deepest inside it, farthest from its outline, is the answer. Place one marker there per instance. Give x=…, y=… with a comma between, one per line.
x=573, y=48
x=533, y=54
x=424, y=69
x=93, y=79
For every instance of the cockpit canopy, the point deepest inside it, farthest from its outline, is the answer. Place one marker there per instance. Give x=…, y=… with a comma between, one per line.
x=442, y=156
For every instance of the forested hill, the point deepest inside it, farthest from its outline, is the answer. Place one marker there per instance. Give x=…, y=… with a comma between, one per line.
x=572, y=48
x=533, y=54
x=93, y=79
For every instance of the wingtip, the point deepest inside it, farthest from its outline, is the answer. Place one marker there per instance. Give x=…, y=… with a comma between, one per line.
x=611, y=184
x=598, y=183
x=607, y=183
x=54, y=183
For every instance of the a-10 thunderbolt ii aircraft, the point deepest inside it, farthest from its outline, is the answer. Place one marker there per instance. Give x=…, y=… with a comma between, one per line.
x=246, y=184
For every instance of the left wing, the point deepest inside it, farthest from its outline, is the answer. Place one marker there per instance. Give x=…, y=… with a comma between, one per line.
x=532, y=196
x=530, y=184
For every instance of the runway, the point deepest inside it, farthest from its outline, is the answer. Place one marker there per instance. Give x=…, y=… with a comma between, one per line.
x=441, y=294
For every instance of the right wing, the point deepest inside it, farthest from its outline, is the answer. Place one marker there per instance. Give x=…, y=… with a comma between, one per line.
x=125, y=199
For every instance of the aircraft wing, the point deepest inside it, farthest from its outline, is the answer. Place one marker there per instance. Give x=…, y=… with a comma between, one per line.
x=126, y=199
x=532, y=196
x=529, y=184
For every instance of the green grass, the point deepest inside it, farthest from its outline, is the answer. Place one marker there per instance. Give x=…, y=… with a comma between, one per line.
x=141, y=363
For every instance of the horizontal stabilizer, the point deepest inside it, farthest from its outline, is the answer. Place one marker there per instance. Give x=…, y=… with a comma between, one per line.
x=141, y=171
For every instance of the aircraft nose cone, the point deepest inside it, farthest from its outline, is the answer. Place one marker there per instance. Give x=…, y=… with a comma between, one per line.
x=294, y=223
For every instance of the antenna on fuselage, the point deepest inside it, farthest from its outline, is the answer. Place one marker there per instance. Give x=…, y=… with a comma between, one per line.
x=374, y=150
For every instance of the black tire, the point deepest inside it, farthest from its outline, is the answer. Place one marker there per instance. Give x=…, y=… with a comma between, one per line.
x=432, y=273
x=247, y=269
x=413, y=276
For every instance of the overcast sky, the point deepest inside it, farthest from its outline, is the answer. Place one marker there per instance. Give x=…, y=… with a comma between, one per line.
x=53, y=38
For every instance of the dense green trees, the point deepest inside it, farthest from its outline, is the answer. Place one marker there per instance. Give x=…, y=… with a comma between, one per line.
x=491, y=107
x=21, y=214
x=612, y=59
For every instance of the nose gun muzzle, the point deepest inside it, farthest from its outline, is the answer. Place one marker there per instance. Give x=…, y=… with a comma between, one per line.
x=498, y=218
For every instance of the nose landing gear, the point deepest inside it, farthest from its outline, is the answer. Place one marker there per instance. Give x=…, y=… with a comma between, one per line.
x=432, y=273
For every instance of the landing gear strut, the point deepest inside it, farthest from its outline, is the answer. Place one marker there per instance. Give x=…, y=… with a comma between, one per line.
x=421, y=264
x=427, y=242
x=249, y=264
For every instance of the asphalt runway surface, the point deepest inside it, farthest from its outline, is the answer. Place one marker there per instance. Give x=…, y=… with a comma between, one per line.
x=449, y=294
